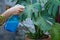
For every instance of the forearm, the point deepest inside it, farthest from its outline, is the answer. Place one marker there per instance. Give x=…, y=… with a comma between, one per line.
x=6, y=14
x=12, y=11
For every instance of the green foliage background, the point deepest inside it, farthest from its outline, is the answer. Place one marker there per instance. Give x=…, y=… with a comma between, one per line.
x=44, y=20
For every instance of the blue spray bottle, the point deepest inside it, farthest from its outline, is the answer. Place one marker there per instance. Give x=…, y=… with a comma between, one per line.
x=12, y=23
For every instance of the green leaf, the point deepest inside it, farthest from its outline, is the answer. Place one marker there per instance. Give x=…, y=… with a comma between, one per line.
x=36, y=8
x=34, y=1
x=55, y=8
x=49, y=19
x=55, y=32
x=42, y=24
x=57, y=2
x=22, y=17
x=48, y=4
x=50, y=9
x=29, y=11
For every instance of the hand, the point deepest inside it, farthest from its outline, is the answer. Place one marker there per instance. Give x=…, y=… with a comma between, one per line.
x=15, y=10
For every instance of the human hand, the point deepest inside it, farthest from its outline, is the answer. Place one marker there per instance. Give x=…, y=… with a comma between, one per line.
x=13, y=11
x=16, y=9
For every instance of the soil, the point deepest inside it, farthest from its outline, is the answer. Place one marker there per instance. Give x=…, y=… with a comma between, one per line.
x=46, y=38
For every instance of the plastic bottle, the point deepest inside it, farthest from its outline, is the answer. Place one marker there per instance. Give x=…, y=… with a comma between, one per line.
x=11, y=24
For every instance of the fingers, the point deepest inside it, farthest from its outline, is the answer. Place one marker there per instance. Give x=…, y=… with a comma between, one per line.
x=19, y=7
x=16, y=9
x=19, y=10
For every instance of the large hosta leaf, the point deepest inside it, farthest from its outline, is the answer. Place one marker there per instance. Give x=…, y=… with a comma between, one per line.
x=51, y=7
x=49, y=20
x=34, y=1
x=57, y=2
x=48, y=4
x=55, y=32
x=42, y=24
x=54, y=11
